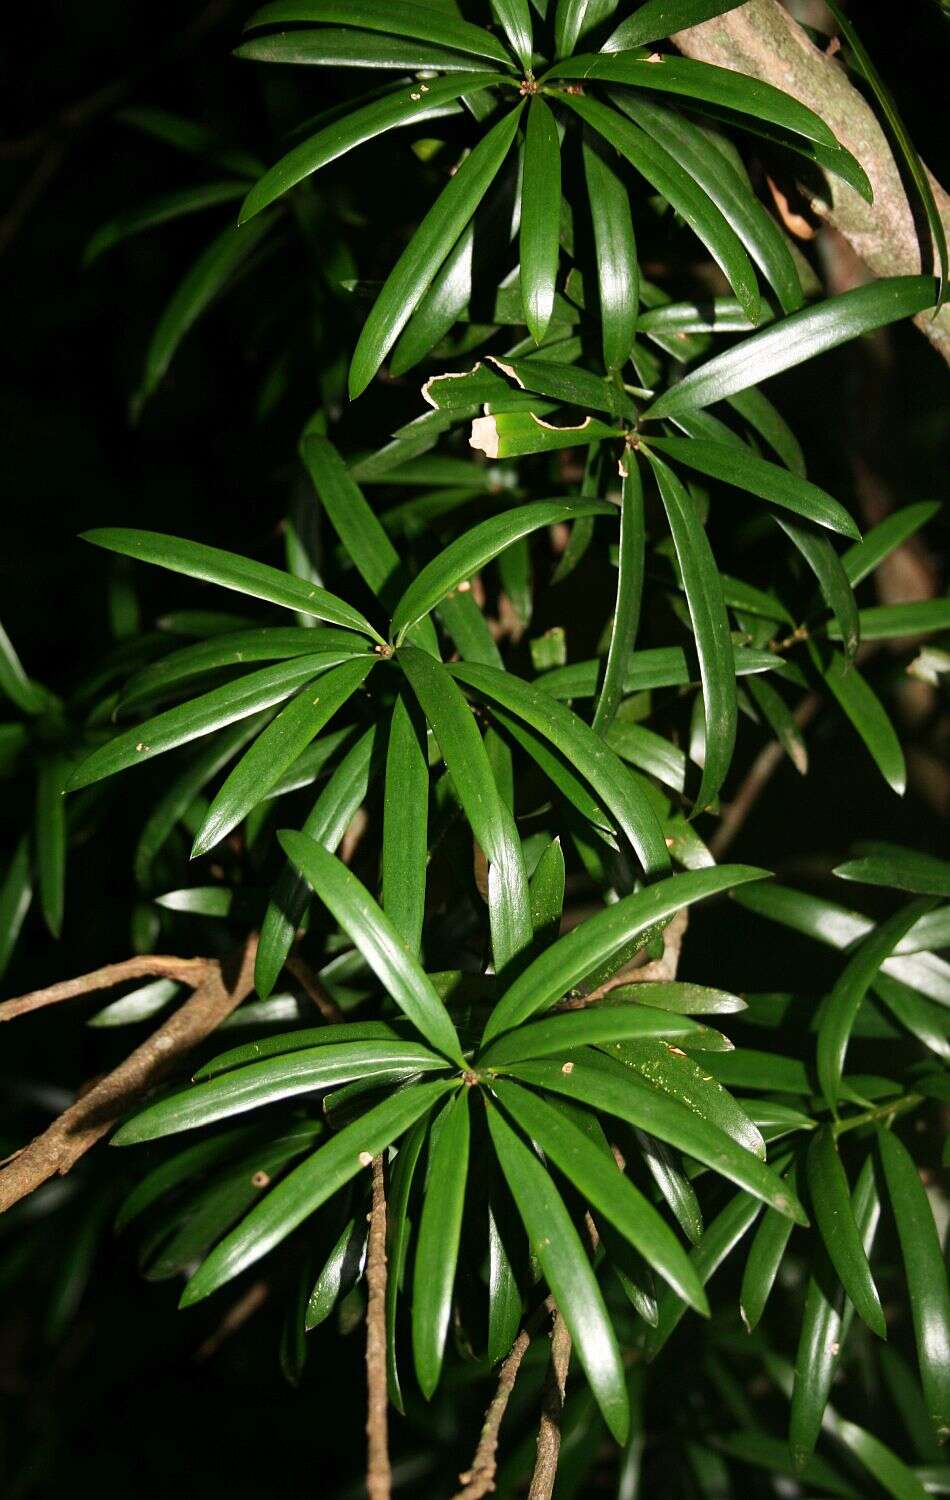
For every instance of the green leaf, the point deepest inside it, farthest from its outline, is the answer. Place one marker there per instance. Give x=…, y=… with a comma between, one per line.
x=546, y=893
x=626, y=619
x=609, y=1086
x=772, y=1454
x=491, y=820
x=862, y=559
x=230, y=571
x=557, y=1246
x=618, y=274
x=398, y=1236
x=825, y=1324
x=329, y=819
x=833, y=583
x=720, y=1239
x=765, y=1258
x=678, y=997
x=505, y=1302
x=575, y=955
x=540, y=217
x=724, y=87
x=440, y=1232
x=270, y=1080
x=657, y=19
x=869, y=717
x=609, y=1192
x=614, y=785
x=852, y=985
x=16, y=893
x=215, y=710
x=14, y=682
x=573, y=18
x=514, y=17
x=469, y=553
x=349, y=47
x=405, y=850
x=160, y=210
x=668, y=1069
x=594, y=1026
x=675, y=1187
x=738, y=467
x=710, y=627
x=409, y=104
x=926, y=1276
x=659, y=667
x=206, y=278
x=901, y=869
x=891, y=622
x=376, y=938
x=298, y=1041
x=649, y=752
x=49, y=837
x=887, y=1469
x=899, y=132
x=426, y=23
x=780, y=719
x=516, y=433
x=797, y=339
x=307, y=1187
x=665, y=173
x=340, y=1271
x=707, y=165
x=419, y=263
x=277, y=748
x=558, y=771
x=831, y=1200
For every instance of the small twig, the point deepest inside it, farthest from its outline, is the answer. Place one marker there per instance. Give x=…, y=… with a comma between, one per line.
x=757, y=778
x=234, y=1319
x=315, y=990
x=191, y=971
x=102, y=1106
x=378, y=1470
x=479, y=1480
x=552, y=1407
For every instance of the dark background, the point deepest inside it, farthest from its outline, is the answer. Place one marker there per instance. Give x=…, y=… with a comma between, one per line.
x=117, y=1402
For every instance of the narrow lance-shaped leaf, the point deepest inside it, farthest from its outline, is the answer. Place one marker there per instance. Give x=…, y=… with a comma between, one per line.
x=514, y=16
x=594, y=1026
x=440, y=1232
x=546, y=892
x=558, y=1248
x=797, y=339
x=540, y=217
x=701, y=80
x=720, y=1239
x=491, y=820
x=14, y=682
x=351, y=47
x=419, y=263
x=607, y=1085
x=272, y=1079
x=374, y=935
x=230, y=571
x=214, y=710
x=623, y=631
x=901, y=134
x=831, y=1201
x=861, y=560
x=408, y=104
x=608, y=1191
x=657, y=19
x=710, y=626
x=160, y=210
x=833, y=583
x=398, y=1235
x=427, y=23
x=739, y=467
x=667, y=1068
x=49, y=838
x=826, y=1321
x=765, y=1258
x=467, y=554
x=863, y=707
x=202, y=283
x=845, y=999
x=302, y=1192
x=926, y=1276
x=329, y=819
x=618, y=273
x=613, y=783
x=16, y=893
x=405, y=824
x=575, y=955
x=665, y=173
x=276, y=748
x=899, y=868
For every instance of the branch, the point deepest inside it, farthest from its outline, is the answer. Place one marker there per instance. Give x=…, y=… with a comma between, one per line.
x=762, y=40
x=314, y=989
x=549, y=1431
x=79, y=1127
x=378, y=1471
x=479, y=1480
x=757, y=778
x=145, y=966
